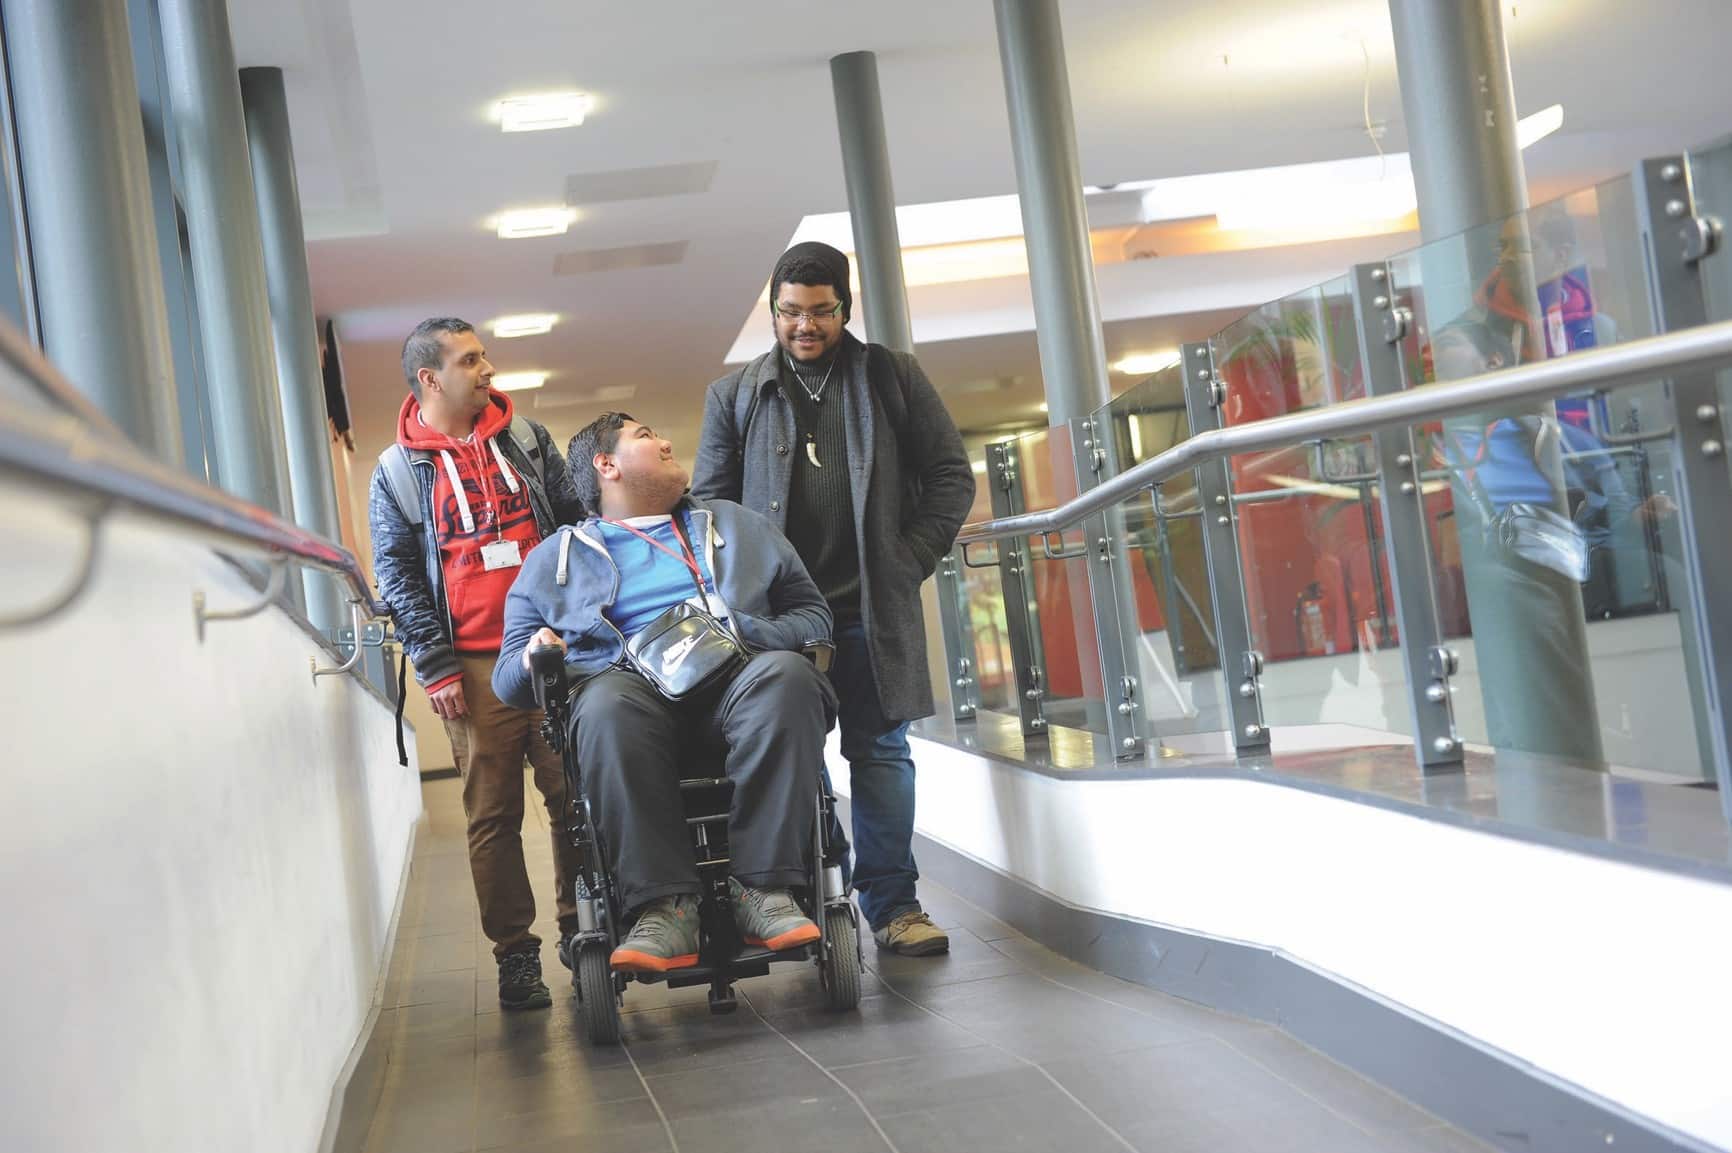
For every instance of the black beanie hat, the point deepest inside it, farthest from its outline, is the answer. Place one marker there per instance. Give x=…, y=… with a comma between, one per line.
x=833, y=261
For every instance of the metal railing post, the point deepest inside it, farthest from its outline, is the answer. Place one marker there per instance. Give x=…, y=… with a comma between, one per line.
x=1241, y=664
x=958, y=630
x=1021, y=616
x=1112, y=604
x=1675, y=241
x=1382, y=323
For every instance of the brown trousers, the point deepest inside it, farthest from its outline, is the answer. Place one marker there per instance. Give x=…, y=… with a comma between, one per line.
x=497, y=738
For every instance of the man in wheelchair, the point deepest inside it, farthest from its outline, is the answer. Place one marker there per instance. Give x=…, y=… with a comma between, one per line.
x=657, y=563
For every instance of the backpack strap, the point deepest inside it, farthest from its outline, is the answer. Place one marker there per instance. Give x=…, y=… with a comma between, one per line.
x=400, y=479
x=745, y=406
x=880, y=363
x=524, y=434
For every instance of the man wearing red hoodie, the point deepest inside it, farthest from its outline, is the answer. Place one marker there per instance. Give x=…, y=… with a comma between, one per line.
x=455, y=505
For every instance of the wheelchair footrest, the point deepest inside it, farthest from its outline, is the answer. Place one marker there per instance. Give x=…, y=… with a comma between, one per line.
x=752, y=961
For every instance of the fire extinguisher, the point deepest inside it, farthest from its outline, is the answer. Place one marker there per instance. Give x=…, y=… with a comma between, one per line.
x=1314, y=638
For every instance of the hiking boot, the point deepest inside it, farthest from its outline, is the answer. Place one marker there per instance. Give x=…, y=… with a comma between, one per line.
x=771, y=918
x=665, y=937
x=912, y=934
x=520, y=985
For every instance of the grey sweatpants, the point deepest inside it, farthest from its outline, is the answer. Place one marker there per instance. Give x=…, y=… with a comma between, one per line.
x=633, y=746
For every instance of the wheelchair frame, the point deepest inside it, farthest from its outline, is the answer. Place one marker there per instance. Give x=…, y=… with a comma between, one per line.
x=721, y=958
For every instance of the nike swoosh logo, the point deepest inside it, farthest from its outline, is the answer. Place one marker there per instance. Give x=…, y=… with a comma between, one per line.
x=676, y=656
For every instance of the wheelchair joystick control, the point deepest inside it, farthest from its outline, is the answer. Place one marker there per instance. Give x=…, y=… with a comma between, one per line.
x=547, y=665
x=547, y=669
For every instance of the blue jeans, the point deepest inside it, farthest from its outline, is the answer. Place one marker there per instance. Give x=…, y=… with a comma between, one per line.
x=881, y=770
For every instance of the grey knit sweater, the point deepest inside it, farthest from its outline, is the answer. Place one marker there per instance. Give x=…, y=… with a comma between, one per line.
x=820, y=522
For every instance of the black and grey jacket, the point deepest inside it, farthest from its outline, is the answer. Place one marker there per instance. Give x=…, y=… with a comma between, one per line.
x=569, y=582
x=911, y=481
x=406, y=563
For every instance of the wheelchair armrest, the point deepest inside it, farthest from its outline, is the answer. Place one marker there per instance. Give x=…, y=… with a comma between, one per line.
x=547, y=667
x=820, y=653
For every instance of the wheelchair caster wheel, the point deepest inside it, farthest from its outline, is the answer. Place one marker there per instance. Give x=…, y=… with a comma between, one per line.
x=722, y=999
x=596, y=993
x=840, y=969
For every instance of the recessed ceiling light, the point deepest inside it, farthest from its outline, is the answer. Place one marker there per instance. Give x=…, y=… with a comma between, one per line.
x=523, y=223
x=1043, y=407
x=539, y=113
x=524, y=324
x=1147, y=363
x=519, y=381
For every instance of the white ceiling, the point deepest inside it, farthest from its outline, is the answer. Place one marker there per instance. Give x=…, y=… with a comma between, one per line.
x=400, y=167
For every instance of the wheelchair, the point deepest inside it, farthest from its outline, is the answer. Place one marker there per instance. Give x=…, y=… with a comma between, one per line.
x=722, y=957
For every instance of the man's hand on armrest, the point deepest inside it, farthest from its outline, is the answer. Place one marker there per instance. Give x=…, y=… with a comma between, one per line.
x=542, y=639
x=820, y=653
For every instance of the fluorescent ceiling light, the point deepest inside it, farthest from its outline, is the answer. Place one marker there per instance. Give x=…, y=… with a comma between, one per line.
x=1532, y=129
x=1302, y=205
x=524, y=324
x=539, y=113
x=1043, y=406
x=1147, y=363
x=527, y=222
x=924, y=225
x=519, y=381
x=979, y=467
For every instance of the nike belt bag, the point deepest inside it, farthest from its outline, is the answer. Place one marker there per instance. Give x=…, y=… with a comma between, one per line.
x=685, y=652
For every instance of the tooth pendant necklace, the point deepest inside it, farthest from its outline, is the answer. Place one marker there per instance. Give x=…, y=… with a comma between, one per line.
x=817, y=395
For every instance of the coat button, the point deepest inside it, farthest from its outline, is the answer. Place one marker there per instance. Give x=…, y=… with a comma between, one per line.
x=781, y=450
x=775, y=506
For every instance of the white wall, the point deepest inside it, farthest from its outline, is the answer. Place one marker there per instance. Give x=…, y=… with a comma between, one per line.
x=203, y=852
x=1566, y=961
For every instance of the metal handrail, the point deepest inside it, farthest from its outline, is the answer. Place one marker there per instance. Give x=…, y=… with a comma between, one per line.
x=89, y=458
x=1640, y=360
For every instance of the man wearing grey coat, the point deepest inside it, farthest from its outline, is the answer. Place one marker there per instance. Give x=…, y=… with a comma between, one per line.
x=846, y=448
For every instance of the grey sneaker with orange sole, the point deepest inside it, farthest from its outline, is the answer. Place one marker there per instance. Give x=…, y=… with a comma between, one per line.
x=664, y=937
x=771, y=918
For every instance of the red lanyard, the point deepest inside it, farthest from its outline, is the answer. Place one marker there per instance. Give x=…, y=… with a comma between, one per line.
x=685, y=556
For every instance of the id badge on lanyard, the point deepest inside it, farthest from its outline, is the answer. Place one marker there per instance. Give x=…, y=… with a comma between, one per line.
x=501, y=554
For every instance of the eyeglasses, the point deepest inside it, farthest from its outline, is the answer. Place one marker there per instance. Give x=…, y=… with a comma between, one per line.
x=795, y=316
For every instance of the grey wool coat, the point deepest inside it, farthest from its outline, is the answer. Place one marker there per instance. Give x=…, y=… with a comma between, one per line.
x=911, y=480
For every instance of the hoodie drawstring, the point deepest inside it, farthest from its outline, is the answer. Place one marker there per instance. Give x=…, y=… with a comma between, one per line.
x=485, y=477
x=457, y=490
x=504, y=468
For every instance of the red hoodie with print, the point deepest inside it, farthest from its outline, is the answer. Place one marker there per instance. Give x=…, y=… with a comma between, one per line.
x=497, y=501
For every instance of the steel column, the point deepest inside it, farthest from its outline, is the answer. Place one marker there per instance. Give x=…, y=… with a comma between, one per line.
x=86, y=184
x=228, y=260
x=1061, y=270
x=1459, y=104
x=871, y=199
x=301, y=382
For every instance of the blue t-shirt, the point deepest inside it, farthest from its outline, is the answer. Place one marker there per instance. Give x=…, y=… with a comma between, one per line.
x=650, y=581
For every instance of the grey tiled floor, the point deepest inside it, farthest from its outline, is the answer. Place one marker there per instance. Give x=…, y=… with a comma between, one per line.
x=1002, y=1045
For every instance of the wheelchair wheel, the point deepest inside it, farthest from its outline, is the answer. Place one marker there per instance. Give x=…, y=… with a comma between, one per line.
x=841, y=969
x=597, y=993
